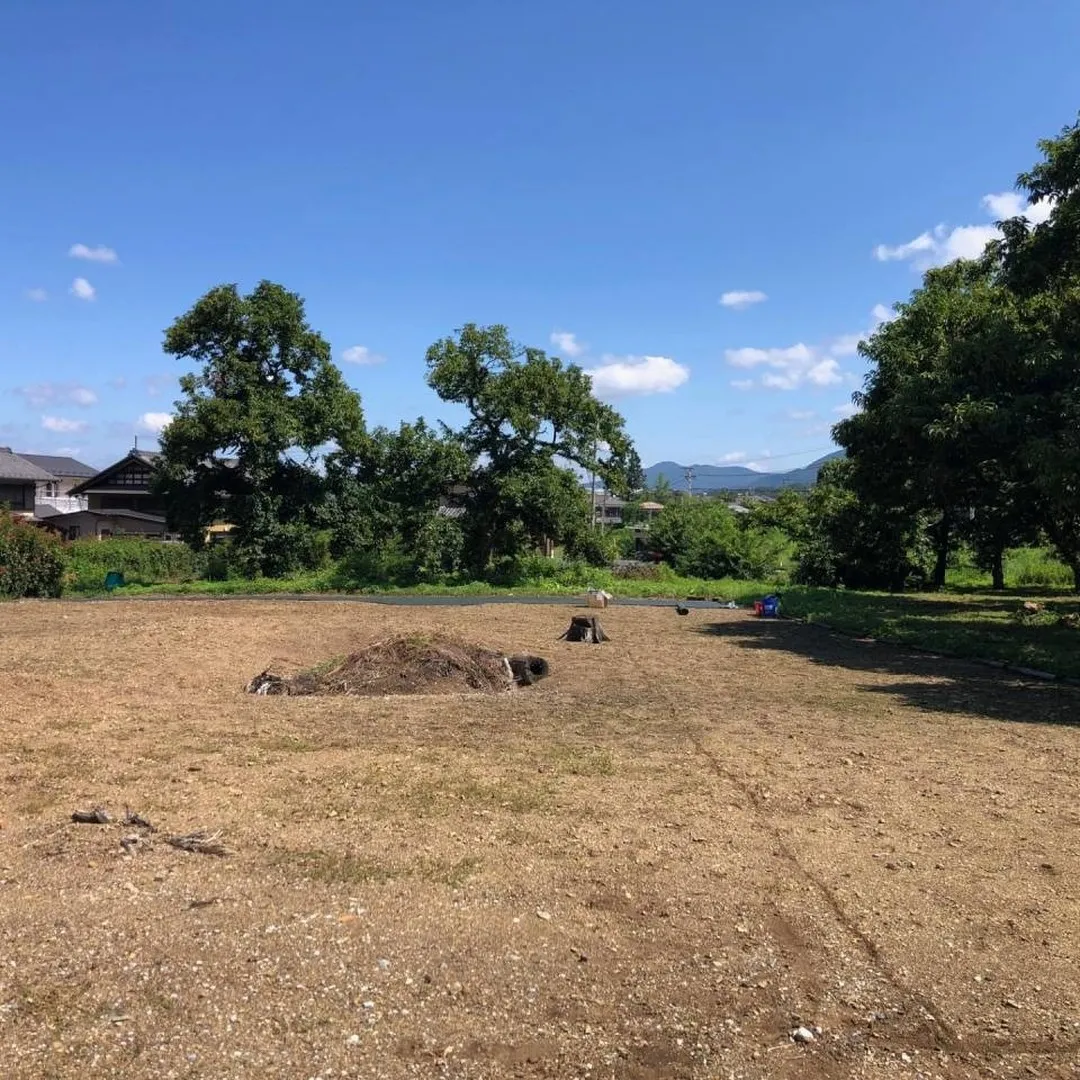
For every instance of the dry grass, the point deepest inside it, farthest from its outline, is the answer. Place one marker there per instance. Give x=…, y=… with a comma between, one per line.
x=654, y=863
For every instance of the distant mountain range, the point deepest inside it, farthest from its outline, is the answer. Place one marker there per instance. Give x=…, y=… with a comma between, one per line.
x=734, y=477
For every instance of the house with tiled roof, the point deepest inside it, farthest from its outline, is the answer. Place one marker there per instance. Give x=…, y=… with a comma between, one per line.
x=54, y=496
x=19, y=480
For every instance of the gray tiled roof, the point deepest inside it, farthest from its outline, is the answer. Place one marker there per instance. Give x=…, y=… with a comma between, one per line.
x=59, y=466
x=14, y=467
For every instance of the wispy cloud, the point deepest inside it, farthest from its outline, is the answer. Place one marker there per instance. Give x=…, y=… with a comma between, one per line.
x=153, y=423
x=567, y=343
x=790, y=367
x=62, y=424
x=801, y=414
x=742, y=298
x=361, y=354
x=732, y=458
x=56, y=393
x=118, y=383
x=39, y=296
x=100, y=254
x=637, y=375
x=155, y=384
x=848, y=408
x=81, y=289
x=942, y=244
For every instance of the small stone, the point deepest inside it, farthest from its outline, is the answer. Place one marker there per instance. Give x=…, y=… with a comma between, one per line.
x=383, y=964
x=1010, y=1004
x=352, y=1040
x=369, y=1004
x=905, y=1058
x=802, y=1035
x=545, y=915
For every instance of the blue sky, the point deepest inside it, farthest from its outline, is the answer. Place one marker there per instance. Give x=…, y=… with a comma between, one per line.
x=600, y=171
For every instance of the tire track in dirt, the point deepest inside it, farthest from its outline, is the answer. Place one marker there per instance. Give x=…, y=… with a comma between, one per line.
x=941, y=1033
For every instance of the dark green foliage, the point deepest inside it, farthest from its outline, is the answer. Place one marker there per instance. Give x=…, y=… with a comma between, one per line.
x=31, y=560
x=247, y=431
x=529, y=416
x=147, y=561
x=701, y=537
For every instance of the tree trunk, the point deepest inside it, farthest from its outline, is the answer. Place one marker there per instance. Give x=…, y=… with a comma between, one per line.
x=1075, y=567
x=997, y=569
x=941, y=550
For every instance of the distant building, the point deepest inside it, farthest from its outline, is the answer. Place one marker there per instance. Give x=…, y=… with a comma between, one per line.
x=19, y=480
x=54, y=496
x=119, y=500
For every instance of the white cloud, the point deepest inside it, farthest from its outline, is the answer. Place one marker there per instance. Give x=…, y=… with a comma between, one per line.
x=790, y=367
x=849, y=408
x=794, y=366
x=82, y=289
x=943, y=244
x=361, y=354
x=60, y=423
x=39, y=296
x=621, y=376
x=52, y=393
x=567, y=343
x=741, y=298
x=99, y=254
x=154, y=423
x=1009, y=204
x=882, y=314
x=733, y=457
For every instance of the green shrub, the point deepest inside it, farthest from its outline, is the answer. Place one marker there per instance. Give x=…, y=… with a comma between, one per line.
x=145, y=561
x=1036, y=568
x=31, y=560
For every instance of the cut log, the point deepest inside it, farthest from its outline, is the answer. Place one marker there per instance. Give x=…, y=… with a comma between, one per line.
x=585, y=628
x=527, y=669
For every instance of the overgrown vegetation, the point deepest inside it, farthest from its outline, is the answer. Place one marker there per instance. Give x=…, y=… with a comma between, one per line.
x=31, y=561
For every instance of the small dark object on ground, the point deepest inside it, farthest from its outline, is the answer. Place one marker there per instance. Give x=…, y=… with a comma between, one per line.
x=201, y=842
x=131, y=844
x=584, y=628
x=98, y=816
x=527, y=669
x=680, y=610
x=132, y=818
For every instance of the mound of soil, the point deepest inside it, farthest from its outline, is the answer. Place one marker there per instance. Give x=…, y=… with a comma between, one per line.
x=408, y=665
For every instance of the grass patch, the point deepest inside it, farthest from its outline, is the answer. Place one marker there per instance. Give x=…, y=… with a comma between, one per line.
x=350, y=868
x=976, y=625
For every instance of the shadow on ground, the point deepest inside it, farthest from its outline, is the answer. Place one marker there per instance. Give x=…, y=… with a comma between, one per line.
x=923, y=681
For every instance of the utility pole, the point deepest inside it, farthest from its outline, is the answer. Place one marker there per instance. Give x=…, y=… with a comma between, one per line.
x=688, y=476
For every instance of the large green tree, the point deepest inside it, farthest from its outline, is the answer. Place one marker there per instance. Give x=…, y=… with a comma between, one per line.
x=530, y=419
x=1040, y=264
x=393, y=501
x=245, y=439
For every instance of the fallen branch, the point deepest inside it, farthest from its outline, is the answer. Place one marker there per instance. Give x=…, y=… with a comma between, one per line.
x=201, y=842
x=132, y=818
x=98, y=816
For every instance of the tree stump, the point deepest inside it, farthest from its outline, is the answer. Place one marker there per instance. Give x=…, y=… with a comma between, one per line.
x=585, y=628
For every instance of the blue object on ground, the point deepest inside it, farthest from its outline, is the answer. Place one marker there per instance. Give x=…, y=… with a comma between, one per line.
x=113, y=580
x=770, y=607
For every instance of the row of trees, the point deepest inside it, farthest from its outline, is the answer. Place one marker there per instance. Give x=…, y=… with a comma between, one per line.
x=268, y=435
x=969, y=429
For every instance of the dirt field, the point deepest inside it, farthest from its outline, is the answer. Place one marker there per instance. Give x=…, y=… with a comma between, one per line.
x=657, y=862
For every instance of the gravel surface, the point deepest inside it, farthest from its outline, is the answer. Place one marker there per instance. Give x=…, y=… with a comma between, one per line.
x=712, y=847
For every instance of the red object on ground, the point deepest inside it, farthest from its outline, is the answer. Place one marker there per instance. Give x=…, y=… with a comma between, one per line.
x=759, y=607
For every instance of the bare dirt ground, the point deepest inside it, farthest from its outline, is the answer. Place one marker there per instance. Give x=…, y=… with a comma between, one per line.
x=657, y=862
